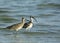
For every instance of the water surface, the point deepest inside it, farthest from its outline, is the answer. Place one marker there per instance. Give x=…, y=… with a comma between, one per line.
x=47, y=13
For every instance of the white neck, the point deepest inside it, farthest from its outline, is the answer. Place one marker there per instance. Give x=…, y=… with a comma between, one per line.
x=31, y=19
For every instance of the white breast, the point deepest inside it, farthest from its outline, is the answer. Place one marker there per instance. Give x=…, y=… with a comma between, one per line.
x=29, y=27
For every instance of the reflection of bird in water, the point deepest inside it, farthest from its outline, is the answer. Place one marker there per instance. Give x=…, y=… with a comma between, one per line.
x=18, y=26
x=29, y=24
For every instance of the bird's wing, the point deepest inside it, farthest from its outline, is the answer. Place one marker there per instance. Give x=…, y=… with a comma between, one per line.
x=11, y=26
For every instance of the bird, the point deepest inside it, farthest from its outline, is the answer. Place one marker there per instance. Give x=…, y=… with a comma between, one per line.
x=29, y=24
x=17, y=26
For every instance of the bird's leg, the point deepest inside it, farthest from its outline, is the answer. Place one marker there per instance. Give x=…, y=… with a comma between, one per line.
x=15, y=32
x=30, y=30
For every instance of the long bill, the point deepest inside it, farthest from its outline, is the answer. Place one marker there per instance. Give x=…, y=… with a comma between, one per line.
x=34, y=19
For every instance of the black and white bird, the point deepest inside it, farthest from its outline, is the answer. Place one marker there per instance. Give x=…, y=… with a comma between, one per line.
x=29, y=24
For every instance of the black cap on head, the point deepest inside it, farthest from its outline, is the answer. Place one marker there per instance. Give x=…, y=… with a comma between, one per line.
x=22, y=17
x=33, y=18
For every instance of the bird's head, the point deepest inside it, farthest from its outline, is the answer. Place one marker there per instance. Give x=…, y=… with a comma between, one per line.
x=32, y=17
x=23, y=19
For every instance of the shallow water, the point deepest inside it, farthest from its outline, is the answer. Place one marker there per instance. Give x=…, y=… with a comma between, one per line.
x=46, y=30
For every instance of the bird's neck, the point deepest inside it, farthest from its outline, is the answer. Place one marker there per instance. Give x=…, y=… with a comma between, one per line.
x=31, y=19
x=23, y=21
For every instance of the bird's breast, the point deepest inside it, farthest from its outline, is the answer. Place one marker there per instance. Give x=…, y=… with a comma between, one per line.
x=30, y=26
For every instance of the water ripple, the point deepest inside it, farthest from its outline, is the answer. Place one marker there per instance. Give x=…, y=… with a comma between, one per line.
x=53, y=5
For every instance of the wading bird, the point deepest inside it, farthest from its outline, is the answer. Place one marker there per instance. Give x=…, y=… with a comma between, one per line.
x=29, y=24
x=18, y=26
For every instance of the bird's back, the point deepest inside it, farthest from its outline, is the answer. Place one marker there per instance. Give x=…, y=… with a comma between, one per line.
x=9, y=27
x=27, y=24
x=15, y=26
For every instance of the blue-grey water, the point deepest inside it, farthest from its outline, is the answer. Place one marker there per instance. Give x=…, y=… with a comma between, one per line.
x=47, y=13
